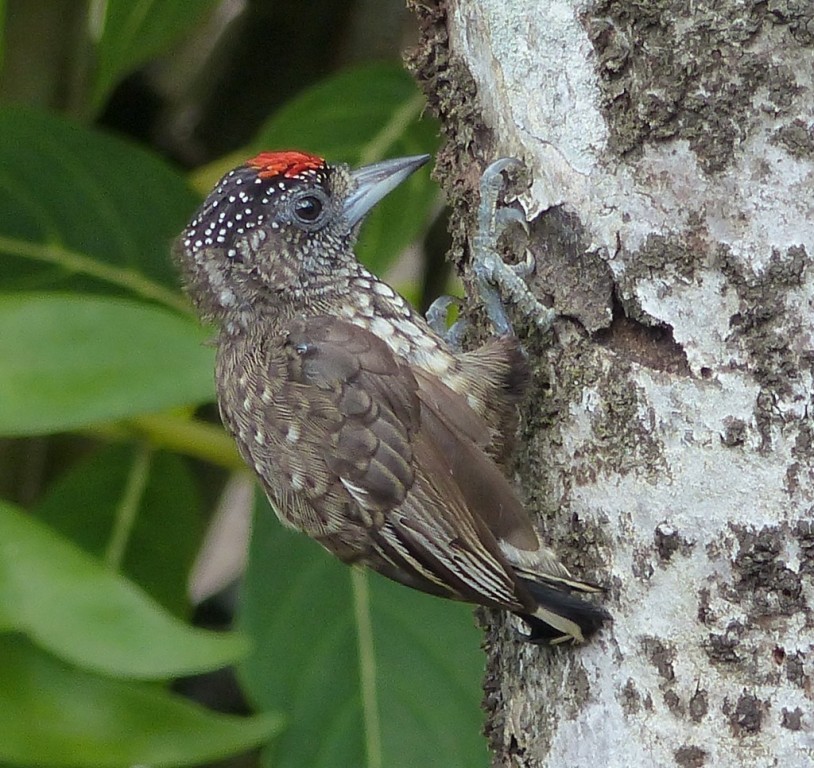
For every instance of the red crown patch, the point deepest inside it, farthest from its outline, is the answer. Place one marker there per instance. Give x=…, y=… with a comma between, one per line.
x=289, y=163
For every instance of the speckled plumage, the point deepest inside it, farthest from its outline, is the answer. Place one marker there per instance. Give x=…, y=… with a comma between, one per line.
x=366, y=430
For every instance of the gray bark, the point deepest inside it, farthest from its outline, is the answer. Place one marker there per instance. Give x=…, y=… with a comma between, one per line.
x=668, y=440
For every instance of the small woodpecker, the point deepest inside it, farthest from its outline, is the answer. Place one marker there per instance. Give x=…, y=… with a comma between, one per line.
x=368, y=432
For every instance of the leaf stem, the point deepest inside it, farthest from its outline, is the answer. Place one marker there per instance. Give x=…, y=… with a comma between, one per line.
x=77, y=262
x=128, y=507
x=367, y=667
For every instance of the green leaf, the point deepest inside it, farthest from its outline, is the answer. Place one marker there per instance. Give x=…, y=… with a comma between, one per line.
x=54, y=715
x=67, y=603
x=83, y=505
x=2, y=34
x=70, y=361
x=82, y=210
x=360, y=116
x=401, y=690
x=131, y=33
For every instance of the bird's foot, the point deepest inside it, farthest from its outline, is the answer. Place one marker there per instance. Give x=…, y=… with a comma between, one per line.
x=497, y=281
x=437, y=315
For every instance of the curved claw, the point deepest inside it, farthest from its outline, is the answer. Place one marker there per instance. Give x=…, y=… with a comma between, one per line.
x=496, y=168
x=492, y=219
x=438, y=311
x=505, y=217
x=526, y=267
x=437, y=314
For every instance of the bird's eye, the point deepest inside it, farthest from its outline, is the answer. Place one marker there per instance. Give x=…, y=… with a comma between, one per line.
x=308, y=209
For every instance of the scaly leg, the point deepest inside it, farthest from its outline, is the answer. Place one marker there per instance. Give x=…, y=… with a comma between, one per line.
x=497, y=281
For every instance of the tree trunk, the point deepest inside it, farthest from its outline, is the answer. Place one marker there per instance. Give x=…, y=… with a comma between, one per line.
x=667, y=442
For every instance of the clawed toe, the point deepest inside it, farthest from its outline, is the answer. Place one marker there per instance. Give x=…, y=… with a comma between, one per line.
x=437, y=316
x=493, y=174
x=497, y=281
x=509, y=216
x=525, y=268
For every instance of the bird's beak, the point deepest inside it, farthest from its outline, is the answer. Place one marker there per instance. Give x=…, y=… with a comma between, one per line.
x=375, y=181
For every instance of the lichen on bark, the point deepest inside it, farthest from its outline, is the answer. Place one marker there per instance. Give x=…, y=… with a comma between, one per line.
x=671, y=70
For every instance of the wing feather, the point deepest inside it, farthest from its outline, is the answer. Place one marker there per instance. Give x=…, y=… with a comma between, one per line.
x=398, y=464
x=385, y=465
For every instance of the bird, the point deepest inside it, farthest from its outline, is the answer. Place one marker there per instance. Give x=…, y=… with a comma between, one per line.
x=366, y=429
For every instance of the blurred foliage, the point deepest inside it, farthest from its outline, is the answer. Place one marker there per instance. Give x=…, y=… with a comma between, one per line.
x=128, y=34
x=365, y=642
x=55, y=714
x=110, y=461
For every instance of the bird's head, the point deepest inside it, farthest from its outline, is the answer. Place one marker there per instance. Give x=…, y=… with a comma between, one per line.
x=280, y=230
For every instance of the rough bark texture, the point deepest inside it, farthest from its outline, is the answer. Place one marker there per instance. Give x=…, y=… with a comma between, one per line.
x=668, y=441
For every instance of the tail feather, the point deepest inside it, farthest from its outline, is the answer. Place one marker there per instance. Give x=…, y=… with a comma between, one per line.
x=532, y=578
x=561, y=617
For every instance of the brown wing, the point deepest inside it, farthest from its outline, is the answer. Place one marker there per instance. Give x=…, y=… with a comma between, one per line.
x=369, y=448
x=385, y=465
x=330, y=456
x=458, y=431
x=400, y=467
